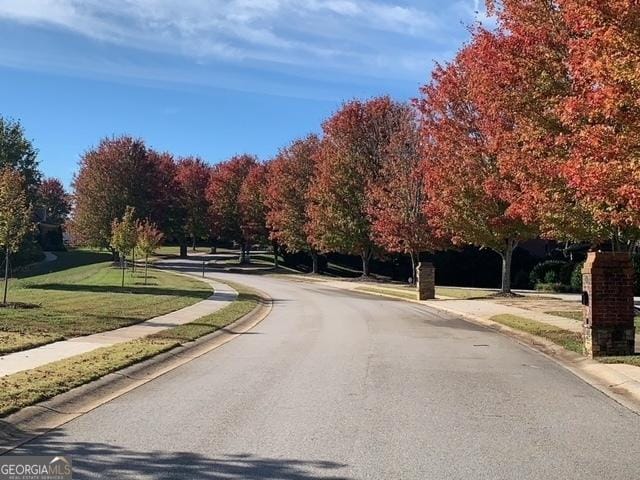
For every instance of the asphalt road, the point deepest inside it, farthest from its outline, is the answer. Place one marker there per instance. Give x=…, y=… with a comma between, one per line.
x=342, y=385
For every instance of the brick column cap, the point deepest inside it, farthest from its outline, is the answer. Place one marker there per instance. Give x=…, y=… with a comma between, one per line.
x=606, y=260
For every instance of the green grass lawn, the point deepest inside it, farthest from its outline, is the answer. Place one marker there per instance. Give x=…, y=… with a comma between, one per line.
x=463, y=293
x=630, y=360
x=26, y=388
x=566, y=339
x=76, y=301
x=572, y=314
x=66, y=260
x=408, y=293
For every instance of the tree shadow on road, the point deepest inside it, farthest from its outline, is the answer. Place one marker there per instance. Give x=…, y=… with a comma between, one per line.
x=100, y=460
x=141, y=290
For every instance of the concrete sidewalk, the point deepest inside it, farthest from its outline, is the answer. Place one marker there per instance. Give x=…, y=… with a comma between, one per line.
x=25, y=360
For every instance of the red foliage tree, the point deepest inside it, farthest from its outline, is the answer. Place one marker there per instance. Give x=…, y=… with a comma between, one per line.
x=396, y=201
x=567, y=71
x=167, y=209
x=54, y=201
x=118, y=173
x=288, y=182
x=354, y=147
x=521, y=79
x=252, y=209
x=192, y=177
x=224, y=187
x=469, y=194
x=603, y=112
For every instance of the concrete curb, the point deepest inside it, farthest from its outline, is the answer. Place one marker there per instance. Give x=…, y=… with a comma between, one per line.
x=36, y=420
x=616, y=385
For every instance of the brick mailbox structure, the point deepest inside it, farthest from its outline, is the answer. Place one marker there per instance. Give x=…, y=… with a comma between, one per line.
x=426, y=281
x=607, y=299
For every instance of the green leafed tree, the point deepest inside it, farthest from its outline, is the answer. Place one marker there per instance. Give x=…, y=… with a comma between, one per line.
x=18, y=153
x=148, y=239
x=15, y=216
x=124, y=236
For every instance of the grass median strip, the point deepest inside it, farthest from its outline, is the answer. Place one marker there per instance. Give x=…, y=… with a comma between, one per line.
x=630, y=360
x=411, y=295
x=29, y=387
x=463, y=293
x=566, y=339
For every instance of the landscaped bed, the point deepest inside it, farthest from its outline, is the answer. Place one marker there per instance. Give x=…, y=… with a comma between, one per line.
x=80, y=300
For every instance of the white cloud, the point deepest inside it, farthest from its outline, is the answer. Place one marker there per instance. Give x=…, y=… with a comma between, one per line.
x=376, y=37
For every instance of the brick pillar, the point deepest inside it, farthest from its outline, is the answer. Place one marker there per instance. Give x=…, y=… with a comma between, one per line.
x=607, y=298
x=426, y=281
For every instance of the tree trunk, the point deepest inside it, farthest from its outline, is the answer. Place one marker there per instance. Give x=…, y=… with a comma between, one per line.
x=133, y=261
x=146, y=268
x=6, y=274
x=366, y=257
x=247, y=253
x=314, y=262
x=124, y=266
x=507, y=255
x=413, y=256
x=275, y=255
x=193, y=244
x=213, y=246
x=183, y=249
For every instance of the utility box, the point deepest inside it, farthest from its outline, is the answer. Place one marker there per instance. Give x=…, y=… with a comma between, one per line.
x=607, y=299
x=426, y=274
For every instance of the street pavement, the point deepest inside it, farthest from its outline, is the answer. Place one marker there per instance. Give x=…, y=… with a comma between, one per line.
x=336, y=384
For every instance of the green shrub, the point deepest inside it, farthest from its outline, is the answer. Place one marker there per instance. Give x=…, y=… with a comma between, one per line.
x=551, y=277
x=29, y=252
x=558, y=267
x=553, y=287
x=576, y=277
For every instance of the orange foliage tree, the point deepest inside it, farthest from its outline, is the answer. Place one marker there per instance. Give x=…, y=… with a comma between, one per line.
x=288, y=182
x=353, y=150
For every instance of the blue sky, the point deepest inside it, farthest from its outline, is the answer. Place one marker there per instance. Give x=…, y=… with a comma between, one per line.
x=209, y=77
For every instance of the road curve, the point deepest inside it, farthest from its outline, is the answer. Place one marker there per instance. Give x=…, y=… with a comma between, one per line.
x=343, y=385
